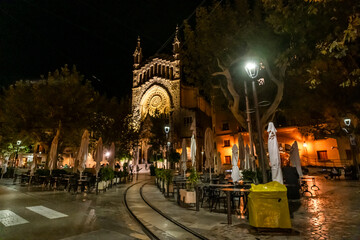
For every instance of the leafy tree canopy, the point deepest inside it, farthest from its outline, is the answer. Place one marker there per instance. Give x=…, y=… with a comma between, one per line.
x=33, y=110
x=309, y=52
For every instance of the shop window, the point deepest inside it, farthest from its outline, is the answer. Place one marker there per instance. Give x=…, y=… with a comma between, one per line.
x=226, y=143
x=322, y=155
x=227, y=159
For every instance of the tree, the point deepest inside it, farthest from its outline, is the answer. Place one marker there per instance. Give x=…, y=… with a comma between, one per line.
x=311, y=47
x=324, y=61
x=152, y=128
x=33, y=110
x=224, y=37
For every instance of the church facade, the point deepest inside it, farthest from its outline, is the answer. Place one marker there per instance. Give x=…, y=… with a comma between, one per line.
x=158, y=88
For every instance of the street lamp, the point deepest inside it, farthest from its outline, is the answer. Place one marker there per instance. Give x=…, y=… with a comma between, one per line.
x=252, y=69
x=167, y=130
x=18, y=143
x=350, y=132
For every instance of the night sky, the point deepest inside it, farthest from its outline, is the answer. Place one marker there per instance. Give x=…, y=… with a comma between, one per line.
x=99, y=37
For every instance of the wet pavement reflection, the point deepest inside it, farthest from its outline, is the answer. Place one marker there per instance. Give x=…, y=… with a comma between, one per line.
x=333, y=212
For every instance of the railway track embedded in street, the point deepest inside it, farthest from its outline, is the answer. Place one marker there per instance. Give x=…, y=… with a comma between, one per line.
x=155, y=223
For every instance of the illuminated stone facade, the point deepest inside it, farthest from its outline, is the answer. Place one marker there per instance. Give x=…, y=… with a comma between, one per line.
x=157, y=87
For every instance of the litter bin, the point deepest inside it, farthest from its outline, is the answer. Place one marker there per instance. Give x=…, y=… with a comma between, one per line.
x=268, y=206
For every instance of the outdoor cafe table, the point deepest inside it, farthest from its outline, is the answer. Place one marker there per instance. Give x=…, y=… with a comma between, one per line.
x=219, y=185
x=228, y=192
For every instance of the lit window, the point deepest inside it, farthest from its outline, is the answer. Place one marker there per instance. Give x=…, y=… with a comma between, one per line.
x=322, y=155
x=226, y=143
x=227, y=159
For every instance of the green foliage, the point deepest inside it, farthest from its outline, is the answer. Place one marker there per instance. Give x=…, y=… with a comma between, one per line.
x=159, y=173
x=249, y=175
x=193, y=178
x=106, y=174
x=224, y=31
x=168, y=175
x=33, y=110
x=125, y=167
x=174, y=156
x=322, y=39
x=153, y=128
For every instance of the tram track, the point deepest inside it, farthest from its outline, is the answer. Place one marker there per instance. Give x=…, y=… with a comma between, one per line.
x=160, y=226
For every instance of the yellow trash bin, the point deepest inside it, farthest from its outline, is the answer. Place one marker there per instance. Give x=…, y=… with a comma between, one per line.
x=268, y=206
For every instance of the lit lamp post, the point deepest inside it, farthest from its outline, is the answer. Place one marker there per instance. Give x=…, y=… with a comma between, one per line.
x=18, y=143
x=350, y=132
x=167, y=130
x=252, y=69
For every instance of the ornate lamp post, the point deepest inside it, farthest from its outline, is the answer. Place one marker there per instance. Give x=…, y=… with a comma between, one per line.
x=167, y=130
x=16, y=163
x=252, y=69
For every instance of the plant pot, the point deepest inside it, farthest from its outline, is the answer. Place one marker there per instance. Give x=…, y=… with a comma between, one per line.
x=101, y=185
x=171, y=188
x=187, y=196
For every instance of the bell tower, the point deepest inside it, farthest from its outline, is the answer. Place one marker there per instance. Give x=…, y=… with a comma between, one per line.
x=137, y=54
x=176, y=44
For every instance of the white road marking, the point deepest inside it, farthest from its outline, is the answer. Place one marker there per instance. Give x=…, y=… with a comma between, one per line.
x=46, y=212
x=8, y=218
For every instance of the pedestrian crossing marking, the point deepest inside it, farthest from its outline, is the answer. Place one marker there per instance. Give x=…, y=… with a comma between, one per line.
x=46, y=212
x=9, y=218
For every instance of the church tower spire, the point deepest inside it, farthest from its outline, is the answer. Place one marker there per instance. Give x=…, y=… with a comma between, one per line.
x=176, y=44
x=137, y=54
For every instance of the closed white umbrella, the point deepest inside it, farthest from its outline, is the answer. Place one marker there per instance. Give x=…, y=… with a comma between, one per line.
x=83, y=152
x=295, y=158
x=112, y=156
x=4, y=166
x=98, y=155
x=209, y=147
x=247, y=158
x=193, y=151
x=184, y=155
x=274, y=154
x=53, y=152
x=235, y=175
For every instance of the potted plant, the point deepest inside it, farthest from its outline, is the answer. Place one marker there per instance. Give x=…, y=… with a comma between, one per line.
x=103, y=179
x=189, y=195
x=168, y=177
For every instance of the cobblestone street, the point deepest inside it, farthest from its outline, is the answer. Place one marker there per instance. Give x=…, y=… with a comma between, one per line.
x=334, y=213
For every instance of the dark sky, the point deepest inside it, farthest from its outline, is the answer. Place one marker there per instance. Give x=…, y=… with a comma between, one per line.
x=99, y=37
